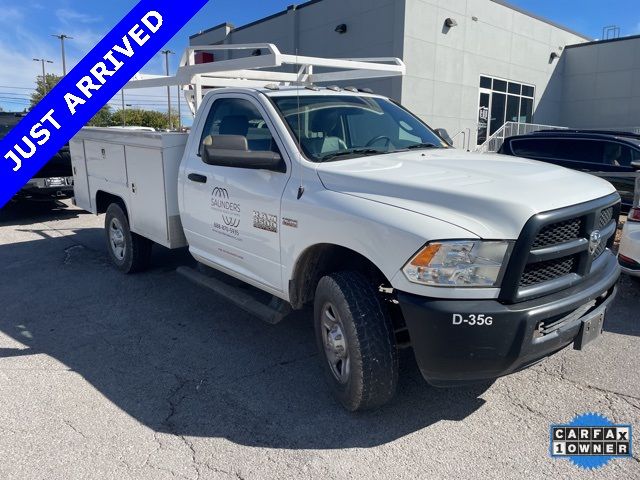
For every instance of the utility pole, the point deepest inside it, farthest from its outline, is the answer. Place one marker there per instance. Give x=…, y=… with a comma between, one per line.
x=179, y=108
x=62, y=37
x=44, y=74
x=166, y=54
x=124, y=112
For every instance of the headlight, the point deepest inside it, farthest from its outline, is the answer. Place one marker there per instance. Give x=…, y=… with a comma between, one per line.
x=458, y=264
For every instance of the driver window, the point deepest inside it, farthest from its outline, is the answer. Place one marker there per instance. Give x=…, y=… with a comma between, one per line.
x=236, y=116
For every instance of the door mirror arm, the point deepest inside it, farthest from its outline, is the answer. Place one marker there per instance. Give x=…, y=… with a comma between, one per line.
x=444, y=135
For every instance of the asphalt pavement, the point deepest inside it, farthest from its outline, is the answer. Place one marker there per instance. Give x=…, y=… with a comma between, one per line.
x=106, y=376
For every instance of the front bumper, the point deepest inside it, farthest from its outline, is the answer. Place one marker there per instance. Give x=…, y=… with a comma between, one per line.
x=450, y=351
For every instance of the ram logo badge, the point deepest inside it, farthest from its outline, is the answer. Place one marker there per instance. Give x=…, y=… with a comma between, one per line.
x=594, y=241
x=265, y=221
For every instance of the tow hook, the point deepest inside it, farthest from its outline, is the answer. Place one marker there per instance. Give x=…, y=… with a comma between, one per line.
x=388, y=292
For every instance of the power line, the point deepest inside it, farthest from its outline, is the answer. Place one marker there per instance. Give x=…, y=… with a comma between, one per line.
x=16, y=94
x=141, y=95
x=20, y=88
x=14, y=102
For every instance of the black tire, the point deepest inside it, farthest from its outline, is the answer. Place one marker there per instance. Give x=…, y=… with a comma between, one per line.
x=371, y=374
x=135, y=255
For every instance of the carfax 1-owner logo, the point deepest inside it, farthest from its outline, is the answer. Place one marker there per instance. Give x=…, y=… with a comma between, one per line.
x=590, y=441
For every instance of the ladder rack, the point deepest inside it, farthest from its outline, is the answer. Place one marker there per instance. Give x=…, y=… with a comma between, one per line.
x=257, y=70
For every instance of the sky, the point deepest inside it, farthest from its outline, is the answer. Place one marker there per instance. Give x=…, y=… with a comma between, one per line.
x=26, y=27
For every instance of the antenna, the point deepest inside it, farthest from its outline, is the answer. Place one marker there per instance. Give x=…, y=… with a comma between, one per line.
x=299, y=136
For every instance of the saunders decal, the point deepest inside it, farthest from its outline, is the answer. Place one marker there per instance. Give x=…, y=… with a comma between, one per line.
x=229, y=220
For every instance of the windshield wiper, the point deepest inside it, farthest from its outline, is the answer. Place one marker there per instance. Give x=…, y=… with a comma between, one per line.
x=352, y=151
x=422, y=145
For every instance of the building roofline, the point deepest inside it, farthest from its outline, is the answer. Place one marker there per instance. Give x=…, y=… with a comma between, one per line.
x=260, y=20
x=608, y=40
x=311, y=2
x=221, y=25
x=278, y=14
x=540, y=18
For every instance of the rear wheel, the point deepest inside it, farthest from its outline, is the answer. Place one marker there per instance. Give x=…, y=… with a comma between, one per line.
x=355, y=337
x=128, y=251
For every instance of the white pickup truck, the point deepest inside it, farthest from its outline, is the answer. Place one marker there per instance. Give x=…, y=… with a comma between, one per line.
x=343, y=200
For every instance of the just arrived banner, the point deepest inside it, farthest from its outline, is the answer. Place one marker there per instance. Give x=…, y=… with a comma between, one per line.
x=88, y=87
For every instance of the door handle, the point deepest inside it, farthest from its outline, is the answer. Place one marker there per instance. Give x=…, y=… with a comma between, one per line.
x=196, y=177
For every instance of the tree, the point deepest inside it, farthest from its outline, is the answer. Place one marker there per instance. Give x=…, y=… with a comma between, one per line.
x=143, y=118
x=102, y=119
x=52, y=81
x=106, y=117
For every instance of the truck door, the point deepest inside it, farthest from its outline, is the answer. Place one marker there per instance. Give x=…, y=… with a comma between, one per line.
x=231, y=214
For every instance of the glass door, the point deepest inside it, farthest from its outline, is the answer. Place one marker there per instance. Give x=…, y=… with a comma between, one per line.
x=483, y=115
x=502, y=101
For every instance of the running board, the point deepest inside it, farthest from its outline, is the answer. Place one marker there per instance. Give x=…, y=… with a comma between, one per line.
x=273, y=312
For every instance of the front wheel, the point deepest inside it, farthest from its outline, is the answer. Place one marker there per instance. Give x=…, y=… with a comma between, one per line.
x=355, y=336
x=128, y=251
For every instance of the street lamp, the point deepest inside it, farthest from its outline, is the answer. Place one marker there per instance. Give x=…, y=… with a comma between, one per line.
x=62, y=37
x=166, y=54
x=44, y=75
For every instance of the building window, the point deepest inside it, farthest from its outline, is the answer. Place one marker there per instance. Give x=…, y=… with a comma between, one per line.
x=502, y=101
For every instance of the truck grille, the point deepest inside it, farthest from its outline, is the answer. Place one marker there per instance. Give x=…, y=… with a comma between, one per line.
x=544, y=271
x=558, y=233
x=557, y=249
x=605, y=217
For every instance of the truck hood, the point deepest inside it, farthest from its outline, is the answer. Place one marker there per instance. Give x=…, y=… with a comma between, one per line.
x=491, y=196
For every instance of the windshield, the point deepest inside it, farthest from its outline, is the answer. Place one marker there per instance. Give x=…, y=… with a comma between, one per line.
x=340, y=126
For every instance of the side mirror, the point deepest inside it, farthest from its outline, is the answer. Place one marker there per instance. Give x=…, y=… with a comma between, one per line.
x=442, y=132
x=635, y=164
x=232, y=151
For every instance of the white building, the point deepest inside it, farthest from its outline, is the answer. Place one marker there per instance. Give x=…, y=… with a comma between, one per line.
x=471, y=64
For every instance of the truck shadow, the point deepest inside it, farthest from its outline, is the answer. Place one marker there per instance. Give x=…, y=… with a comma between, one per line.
x=181, y=360
x=27, y=212
x=623, y=317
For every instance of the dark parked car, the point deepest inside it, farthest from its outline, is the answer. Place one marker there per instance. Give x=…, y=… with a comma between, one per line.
x=614, y=156
x=54, y=180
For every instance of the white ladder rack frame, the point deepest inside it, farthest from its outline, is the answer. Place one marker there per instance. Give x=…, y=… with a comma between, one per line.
x=250, y=71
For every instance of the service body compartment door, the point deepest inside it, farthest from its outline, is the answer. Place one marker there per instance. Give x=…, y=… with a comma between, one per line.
x=80, y=179
x=148, y=215
x=106, y=162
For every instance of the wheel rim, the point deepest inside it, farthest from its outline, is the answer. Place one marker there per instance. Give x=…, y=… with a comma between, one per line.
x=116, y=239
x=336, y=349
